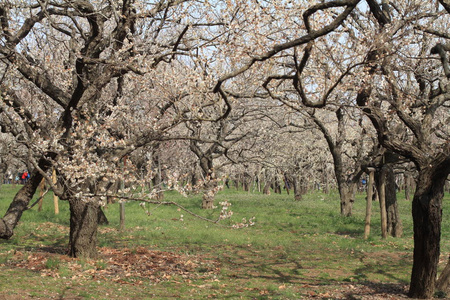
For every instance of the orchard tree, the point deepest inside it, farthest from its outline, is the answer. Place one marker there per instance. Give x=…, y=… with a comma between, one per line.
x=96, y=71
x=387, y=68
x=405, y=87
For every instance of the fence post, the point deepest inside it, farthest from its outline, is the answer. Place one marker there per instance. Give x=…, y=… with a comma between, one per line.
x=55, y=198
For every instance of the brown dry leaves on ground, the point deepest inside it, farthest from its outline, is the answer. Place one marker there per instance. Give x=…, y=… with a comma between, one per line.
x=127, y=266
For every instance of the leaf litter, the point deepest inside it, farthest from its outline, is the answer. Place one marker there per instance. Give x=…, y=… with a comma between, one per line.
x=126, y=266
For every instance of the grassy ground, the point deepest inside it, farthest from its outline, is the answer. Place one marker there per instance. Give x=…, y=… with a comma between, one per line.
x=296, y=250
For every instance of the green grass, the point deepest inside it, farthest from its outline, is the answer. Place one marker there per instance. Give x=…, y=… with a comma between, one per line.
x=297, y=249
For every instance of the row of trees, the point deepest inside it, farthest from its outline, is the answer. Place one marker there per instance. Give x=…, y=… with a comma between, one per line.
x=106, y=91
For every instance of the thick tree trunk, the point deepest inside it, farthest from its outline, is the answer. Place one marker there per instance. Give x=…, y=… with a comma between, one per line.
x=427, y=217
x=347, y=195
x=84, y=217
x=394, y=224
x=209, y=194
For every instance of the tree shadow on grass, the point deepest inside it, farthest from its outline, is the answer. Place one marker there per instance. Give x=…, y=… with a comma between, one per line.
x=389, y=267
x=378, y=291
x=248, y=263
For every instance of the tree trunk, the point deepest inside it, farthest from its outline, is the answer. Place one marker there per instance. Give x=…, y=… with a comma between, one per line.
x=209, y=194
x=102, y=219
x=296, y=185
x=381, y=187
x=427, y=217
x=246, y=179
x=444, y=279
x=276, y=185
x=287, y=185
x=346, y=193
x=326, y=184
x=84, y=218
x=266, y=188
x=41, y=193
x=394, y=224
x=236, y=184
x=21, y=201
x=407, y=187
x=208, y=199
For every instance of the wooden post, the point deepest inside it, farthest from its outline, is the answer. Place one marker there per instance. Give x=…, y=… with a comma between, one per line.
x=382, y=198
x=55, y=198
x=122, y=203
x=122, y=216
x=369, y=202
x=41, y=192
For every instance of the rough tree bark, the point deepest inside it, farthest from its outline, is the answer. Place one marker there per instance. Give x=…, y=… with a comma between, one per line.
x=83, y=228
x=394, y=224
x=443, y=282
x=408, y=187
x=427, y=217
x=347, y=196
x=22, y=199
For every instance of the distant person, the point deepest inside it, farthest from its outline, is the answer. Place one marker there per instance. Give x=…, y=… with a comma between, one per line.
x=25, y=177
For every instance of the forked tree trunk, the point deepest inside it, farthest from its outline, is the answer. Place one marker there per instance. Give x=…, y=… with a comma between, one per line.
x=427, y=217
x=83, y=228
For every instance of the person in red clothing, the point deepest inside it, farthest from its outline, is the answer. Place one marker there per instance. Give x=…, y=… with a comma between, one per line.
x=25, y=177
